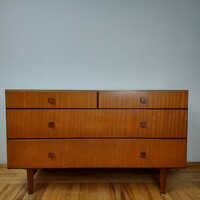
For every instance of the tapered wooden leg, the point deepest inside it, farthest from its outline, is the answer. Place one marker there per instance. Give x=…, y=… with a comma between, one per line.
x=163, y=179
x=30, y=179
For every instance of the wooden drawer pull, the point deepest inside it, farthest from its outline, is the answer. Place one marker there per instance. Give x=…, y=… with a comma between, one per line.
x=143, y=154
x=143, y=100
x=51, y=155
x=51, y=124
x=143, y=124
x=51, y=100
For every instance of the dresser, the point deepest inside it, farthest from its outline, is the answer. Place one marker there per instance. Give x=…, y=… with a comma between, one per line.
x=96, y=129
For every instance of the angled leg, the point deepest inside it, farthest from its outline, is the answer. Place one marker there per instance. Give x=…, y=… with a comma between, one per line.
x=163, y=180
x=30, y=179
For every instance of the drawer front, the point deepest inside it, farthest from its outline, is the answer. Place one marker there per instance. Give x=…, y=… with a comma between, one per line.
x=143, y=99
x=79, y=153
x=73, y=123
x=51, y=99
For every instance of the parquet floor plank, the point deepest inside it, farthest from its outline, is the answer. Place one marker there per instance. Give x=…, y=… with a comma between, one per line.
x=101, y=184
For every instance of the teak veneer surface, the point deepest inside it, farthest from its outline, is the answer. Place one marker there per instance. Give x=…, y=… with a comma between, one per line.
x=89, y=99
x=98, y=153
x=96, y=123
x=50, y=99
x=154, y=99
x=94, y=129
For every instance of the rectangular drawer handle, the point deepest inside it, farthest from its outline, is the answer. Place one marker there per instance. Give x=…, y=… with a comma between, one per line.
x=143, y=124
x=51, y=100
x=51, y=124
x=51, y=155
x=143, y=100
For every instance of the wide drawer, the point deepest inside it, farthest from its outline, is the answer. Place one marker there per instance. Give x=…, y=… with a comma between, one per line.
x=73, y=123
x=143, y=99
x=79, y=153
x=50, y=99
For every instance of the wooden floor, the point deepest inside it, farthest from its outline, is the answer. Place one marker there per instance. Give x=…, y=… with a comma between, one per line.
x=101, y=184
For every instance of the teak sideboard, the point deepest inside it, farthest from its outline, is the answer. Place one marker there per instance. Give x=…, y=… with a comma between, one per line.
x=96, y=129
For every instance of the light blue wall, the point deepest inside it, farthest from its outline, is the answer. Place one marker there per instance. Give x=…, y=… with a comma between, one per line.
x=102, y=44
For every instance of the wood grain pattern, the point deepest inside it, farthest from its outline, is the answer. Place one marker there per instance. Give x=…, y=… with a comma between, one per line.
x=155, y=99
x=58, y=99
x=99, y=123
x=101, y=184
x=111, y=129
x=96, y=153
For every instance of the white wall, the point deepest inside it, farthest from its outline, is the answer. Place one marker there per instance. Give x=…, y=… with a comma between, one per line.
x=102, y=44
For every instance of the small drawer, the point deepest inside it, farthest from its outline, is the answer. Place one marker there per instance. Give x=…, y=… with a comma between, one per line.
x=80, y=153
x=50, y=99
x=96, y=123
x=143, y=99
